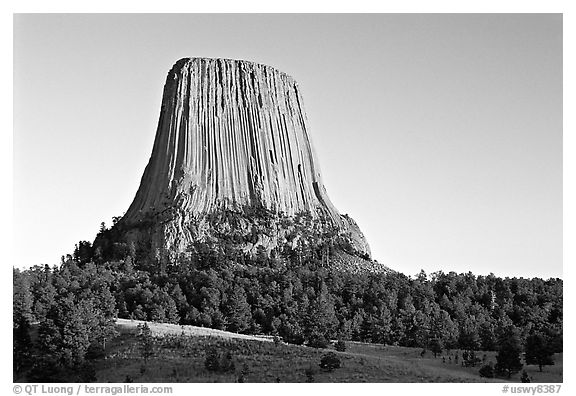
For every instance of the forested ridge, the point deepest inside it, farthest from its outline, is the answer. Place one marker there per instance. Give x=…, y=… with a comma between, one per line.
x=289, y=293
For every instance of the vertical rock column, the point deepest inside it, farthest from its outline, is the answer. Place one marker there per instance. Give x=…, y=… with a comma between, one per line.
x=231, y=133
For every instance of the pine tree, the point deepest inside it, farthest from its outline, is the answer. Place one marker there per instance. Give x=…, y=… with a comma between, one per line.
x=146, y=342
x=508, y=358
x=538, y=351
x=104, y=315
x=320, y=320
x=171, y=312
x=443, y=331
x=237, y=311
x=469, y=338
x=487, y=338
x=22, y=298
x=436, y=346
x=180, y=299
x=49, y=338
x=22, y=345
x=73, y=319
x=43, y=291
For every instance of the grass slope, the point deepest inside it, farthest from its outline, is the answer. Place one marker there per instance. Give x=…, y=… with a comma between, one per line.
x=180, y=351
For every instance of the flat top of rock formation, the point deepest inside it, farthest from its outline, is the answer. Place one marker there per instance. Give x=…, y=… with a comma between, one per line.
x=181, y=62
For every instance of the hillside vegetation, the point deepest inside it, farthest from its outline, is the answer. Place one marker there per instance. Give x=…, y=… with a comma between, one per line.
x=291, y=294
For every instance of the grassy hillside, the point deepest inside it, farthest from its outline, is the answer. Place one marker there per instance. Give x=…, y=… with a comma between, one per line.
x=179, y=354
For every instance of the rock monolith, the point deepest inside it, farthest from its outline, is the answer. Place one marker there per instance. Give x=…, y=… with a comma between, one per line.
x=233, y=145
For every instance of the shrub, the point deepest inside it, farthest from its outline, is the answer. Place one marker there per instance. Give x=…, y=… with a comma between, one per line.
x=293, y=338
x=330, y=362
x=318, y=341
x=277, y=340
x=212, y=360
x=487, y=371
x=95, y=352
x=309, y=374
x=226, y=363
x=340, y=346
x=243, y=373
x=525, y=377
x=218, y=362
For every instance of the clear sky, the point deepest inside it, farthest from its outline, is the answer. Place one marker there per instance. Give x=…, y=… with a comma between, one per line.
x=441, y=135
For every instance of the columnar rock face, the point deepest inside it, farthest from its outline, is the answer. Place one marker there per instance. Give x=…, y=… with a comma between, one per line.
x=231, y=135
